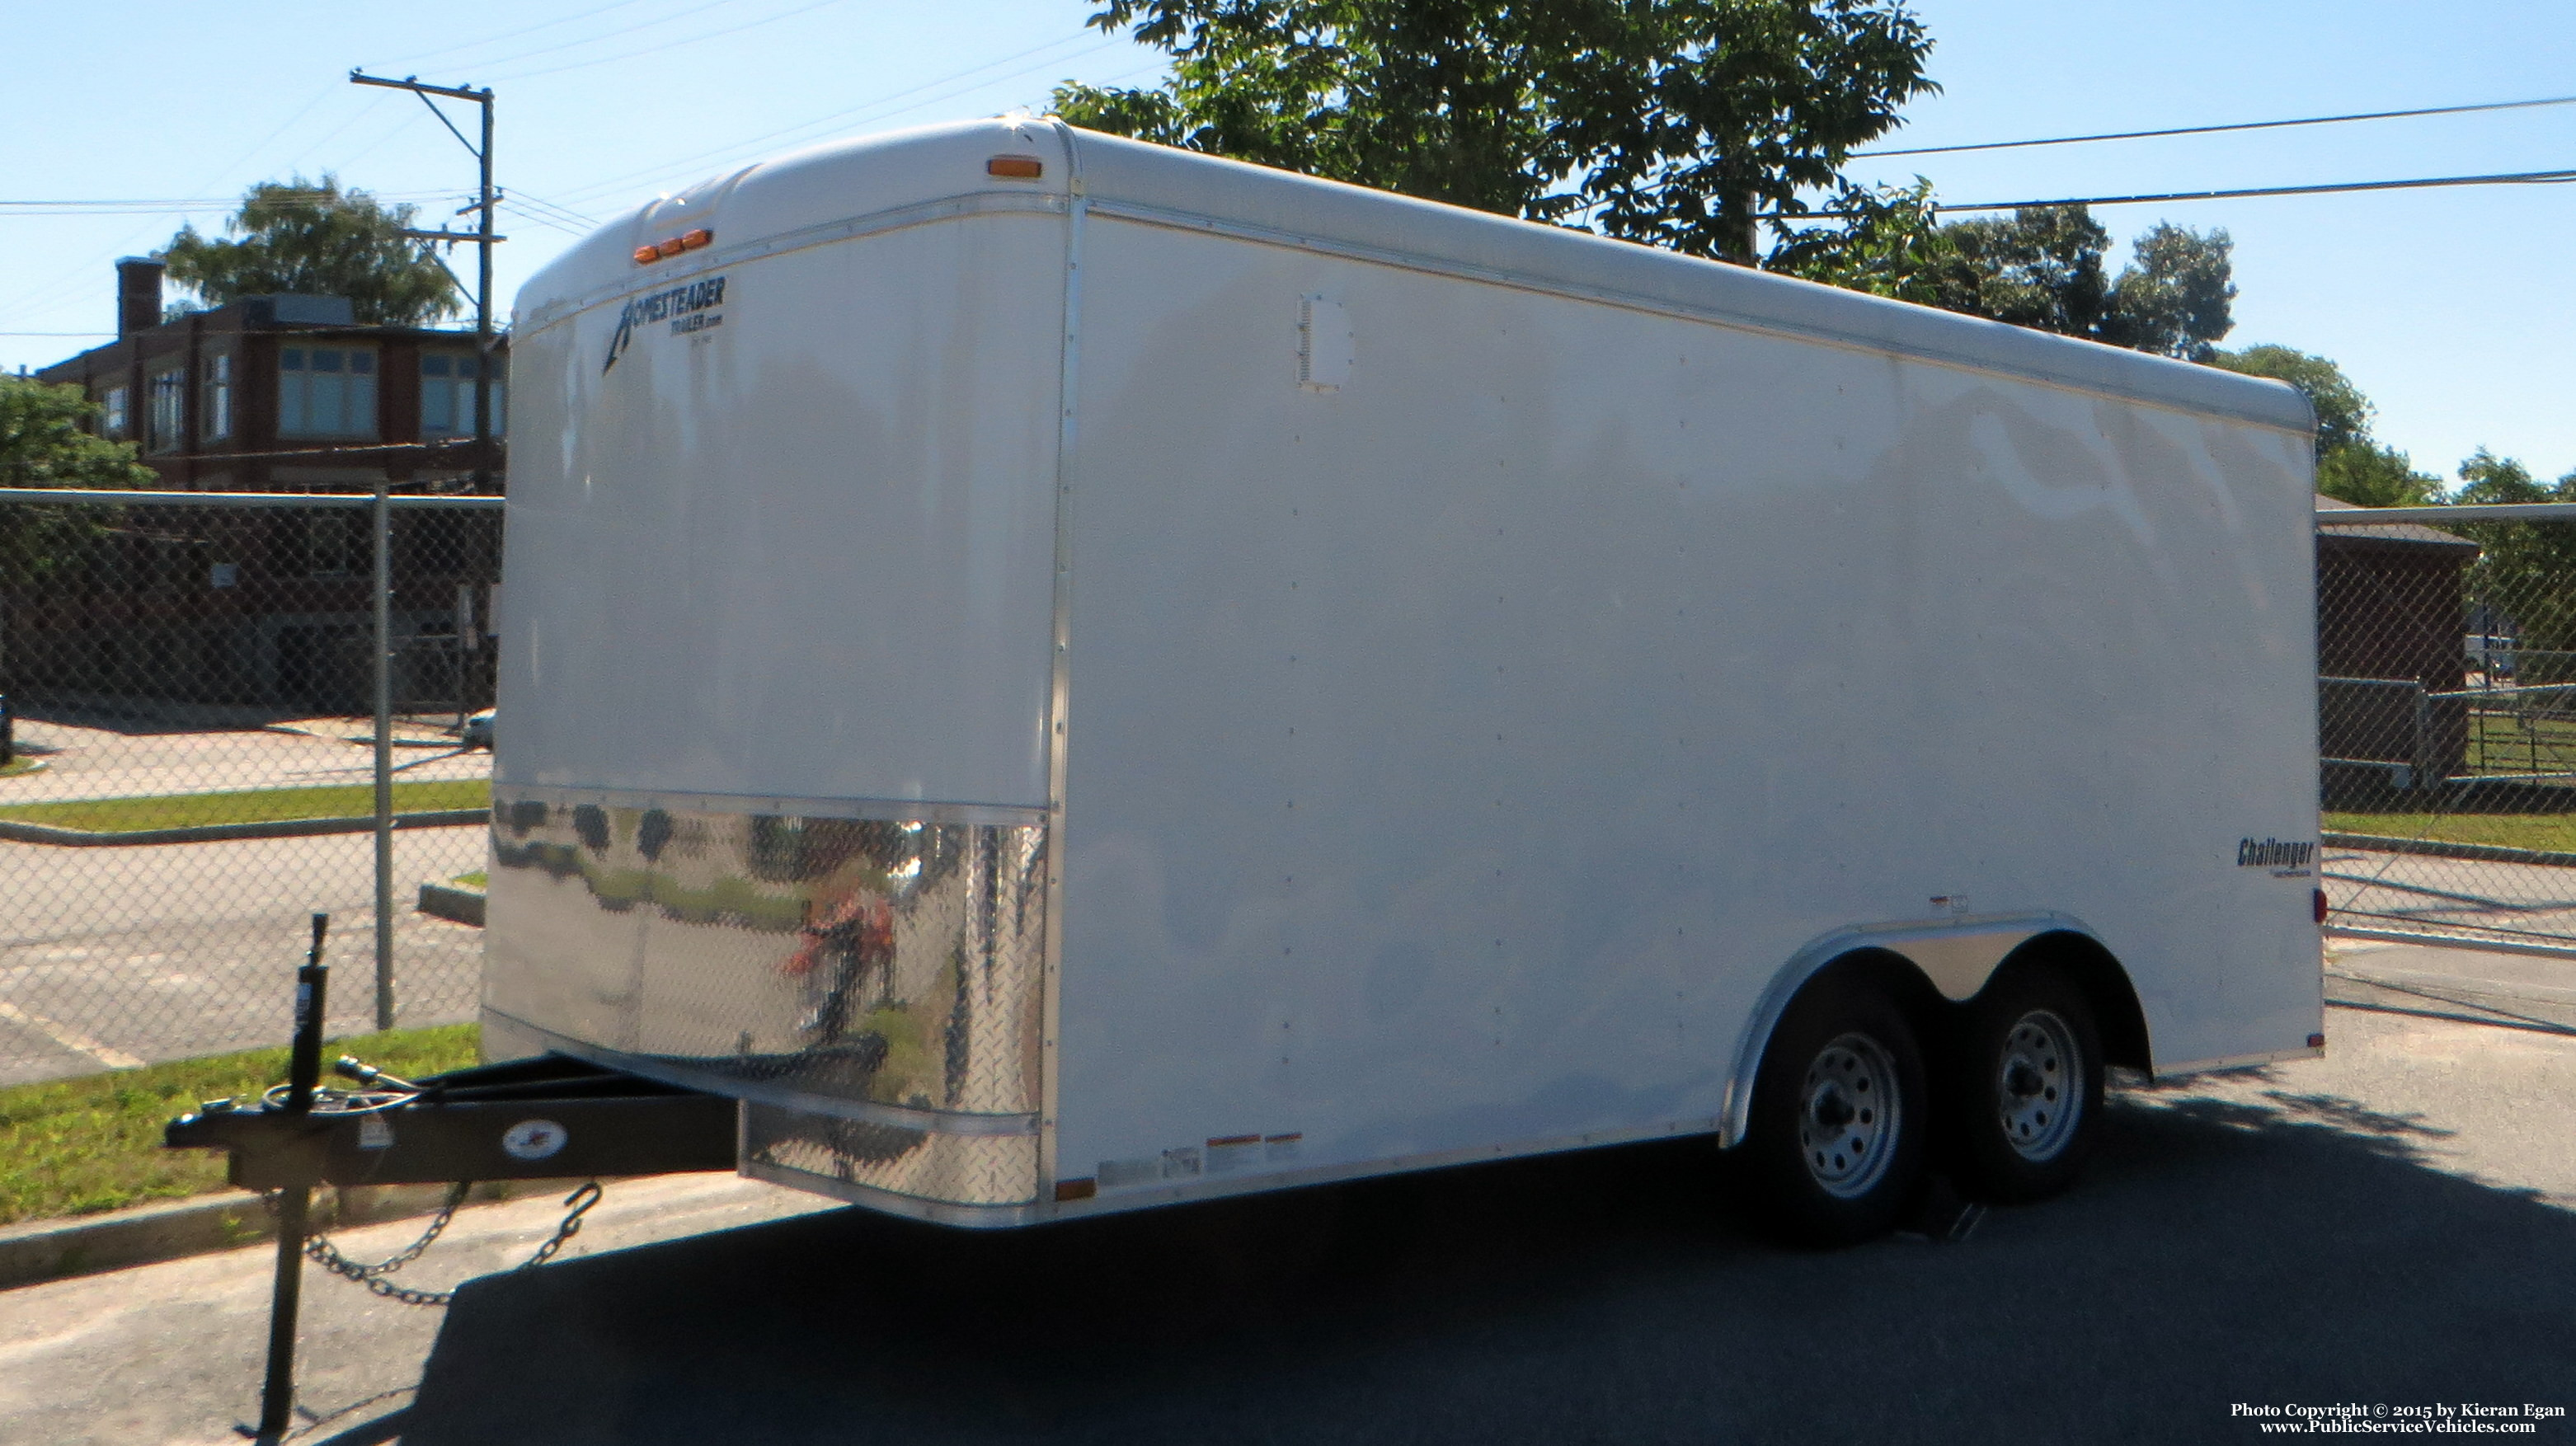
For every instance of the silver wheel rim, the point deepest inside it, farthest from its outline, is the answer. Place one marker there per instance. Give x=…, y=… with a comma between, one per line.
x=1848, y=1115
x=2039, y=1092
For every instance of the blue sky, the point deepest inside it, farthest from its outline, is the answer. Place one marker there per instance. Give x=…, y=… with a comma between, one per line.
x=2451, y=308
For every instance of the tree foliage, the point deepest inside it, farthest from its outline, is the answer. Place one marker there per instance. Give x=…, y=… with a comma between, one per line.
x=2524, y=572
x=2044, y=267
x=42, y=445
x=1677, y=123
x=313, y=238
x=2343, y=413
x=2351, y=464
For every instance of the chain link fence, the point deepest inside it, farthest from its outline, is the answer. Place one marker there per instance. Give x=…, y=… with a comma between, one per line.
x=2446, y=714
x=224, y=712
x=195, y=763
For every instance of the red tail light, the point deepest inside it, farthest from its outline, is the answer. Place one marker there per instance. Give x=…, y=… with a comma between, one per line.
x=2321, y=905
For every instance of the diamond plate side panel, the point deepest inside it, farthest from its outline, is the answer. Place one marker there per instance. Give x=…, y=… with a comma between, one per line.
x=885, y=961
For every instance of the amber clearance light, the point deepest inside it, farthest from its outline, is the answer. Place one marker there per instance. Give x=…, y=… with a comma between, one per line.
x=1015, y=168
x=673, y=246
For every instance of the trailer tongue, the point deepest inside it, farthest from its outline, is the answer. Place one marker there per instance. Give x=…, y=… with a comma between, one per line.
x=546, y=1118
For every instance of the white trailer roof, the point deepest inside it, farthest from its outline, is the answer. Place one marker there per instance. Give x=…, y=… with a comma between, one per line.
x=824, y=193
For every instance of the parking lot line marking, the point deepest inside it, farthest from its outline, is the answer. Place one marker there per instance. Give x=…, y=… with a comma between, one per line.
x=69, y=1038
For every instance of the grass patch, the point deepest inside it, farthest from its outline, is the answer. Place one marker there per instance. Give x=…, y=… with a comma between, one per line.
x=257, y=805
x=81, y=1146
x=474, y=880
x=2550, y=832
x=16, y=766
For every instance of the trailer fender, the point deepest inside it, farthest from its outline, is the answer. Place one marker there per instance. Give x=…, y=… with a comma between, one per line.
x=1950, y=958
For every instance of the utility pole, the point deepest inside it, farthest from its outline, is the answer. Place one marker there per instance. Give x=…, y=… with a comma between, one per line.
x=483, y=237
x=382, y=517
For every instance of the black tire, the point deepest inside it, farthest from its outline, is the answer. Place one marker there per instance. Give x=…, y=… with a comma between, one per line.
x=1835, y=1140
x=2022, y=1096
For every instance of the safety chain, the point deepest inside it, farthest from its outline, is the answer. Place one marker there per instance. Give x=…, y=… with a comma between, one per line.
x=322, y=1252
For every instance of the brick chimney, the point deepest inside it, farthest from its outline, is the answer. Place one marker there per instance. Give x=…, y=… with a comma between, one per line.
x=138, y=295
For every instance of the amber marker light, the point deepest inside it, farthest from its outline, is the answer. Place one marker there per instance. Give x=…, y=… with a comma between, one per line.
x=692, y=240
x=671, y=247
x=1015, y=168
x=1076, y=1189
x=647, y=255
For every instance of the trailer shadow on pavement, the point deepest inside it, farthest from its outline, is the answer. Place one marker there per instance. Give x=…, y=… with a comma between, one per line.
x=2288, y=1249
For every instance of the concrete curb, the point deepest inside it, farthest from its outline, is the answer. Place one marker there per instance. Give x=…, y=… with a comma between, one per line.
x=42, y=1250
x=16, y=831
x=2437, y=848
x=449, y=901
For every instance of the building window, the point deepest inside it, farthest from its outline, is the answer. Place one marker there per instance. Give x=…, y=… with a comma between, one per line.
x=335, y=545
x=169, y=414
x=113, y=418
x=215, y=408
x=326, y=391
x=447, y=395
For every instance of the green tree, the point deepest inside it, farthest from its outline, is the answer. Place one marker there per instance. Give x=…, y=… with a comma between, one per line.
x=2351, y=464
x=2343, y=413
x=313, y=238
x=1888, y=242
x=42, y=445
x=1677, y=123
x=2525, y=574
x=2368, y=474
x=2044, y=267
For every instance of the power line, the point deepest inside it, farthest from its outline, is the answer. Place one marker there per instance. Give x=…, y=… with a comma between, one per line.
x=640, y=25
x=2314, y=120
x=419, y=55
x=601, y=188
x=2518, y=178
x=669, y=44
x=2515, y=178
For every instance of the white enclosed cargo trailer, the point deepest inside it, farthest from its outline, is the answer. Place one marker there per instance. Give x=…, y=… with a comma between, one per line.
x=1069, y=675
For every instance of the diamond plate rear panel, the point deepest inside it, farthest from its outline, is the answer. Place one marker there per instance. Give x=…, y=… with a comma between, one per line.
x=884, y=975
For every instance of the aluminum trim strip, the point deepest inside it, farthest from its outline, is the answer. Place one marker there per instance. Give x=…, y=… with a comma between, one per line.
x=1002, y=1217
x=1433, y=265
x=2235, y=1061
x=877, y=810
x=1060, y=662
x=943, y=1122
x=899, y=218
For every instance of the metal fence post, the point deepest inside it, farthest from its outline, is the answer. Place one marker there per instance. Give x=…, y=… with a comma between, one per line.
x=383, y=519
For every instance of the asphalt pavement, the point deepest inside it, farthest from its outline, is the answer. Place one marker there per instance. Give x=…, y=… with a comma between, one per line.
x=119, y=954
x=169, y=951
x=2393, y=1224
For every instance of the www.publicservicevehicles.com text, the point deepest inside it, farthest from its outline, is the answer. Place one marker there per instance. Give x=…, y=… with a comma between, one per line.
x=2439, y=1418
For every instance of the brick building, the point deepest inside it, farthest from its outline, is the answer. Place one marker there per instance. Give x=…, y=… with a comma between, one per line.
x=182, y=612
x=284, y=394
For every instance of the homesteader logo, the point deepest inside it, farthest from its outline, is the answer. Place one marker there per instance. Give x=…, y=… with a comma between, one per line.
x=2271, y=853
x=688, y=308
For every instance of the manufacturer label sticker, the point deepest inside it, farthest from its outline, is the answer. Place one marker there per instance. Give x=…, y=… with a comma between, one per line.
x=534, y=1139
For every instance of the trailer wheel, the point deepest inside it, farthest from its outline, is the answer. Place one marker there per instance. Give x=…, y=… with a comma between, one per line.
x=1835, y=1138
x=2025, y=1086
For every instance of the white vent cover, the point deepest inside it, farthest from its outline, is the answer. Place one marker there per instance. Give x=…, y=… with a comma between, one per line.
x=1323, y=344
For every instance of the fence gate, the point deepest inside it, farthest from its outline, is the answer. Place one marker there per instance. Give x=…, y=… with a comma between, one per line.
x=2446, y=723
